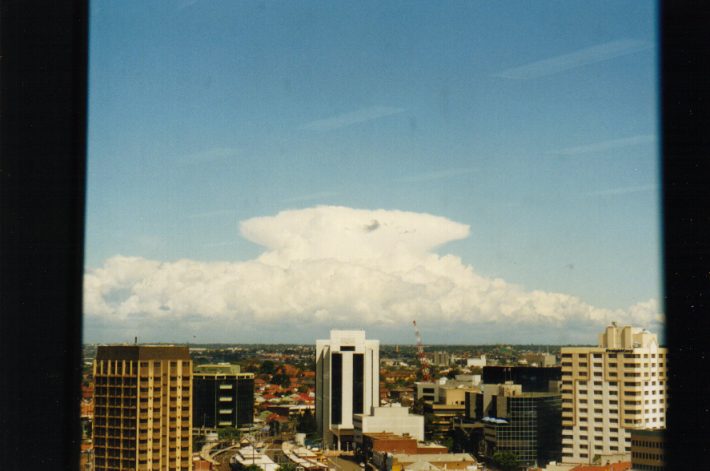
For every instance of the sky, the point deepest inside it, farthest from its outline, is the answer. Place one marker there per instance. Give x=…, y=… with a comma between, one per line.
x=266, y=171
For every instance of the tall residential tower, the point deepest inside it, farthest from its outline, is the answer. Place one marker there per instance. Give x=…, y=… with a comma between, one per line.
x=347, y=383
x=142, y=413
x=609, y=390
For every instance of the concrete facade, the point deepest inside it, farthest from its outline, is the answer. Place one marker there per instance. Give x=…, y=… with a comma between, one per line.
x=647, y=450
x=479, y=362
x=347, y=383
x=143, y=414
x=393, y=419
x=609, y=390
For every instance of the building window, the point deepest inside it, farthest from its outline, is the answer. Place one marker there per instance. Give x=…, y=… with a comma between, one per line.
x=336, y=388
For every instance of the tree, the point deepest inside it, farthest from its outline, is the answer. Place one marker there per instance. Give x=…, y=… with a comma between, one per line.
x=252, y=467
x=267, y=367
x=418, y=406
x=306, y=423
x=453, y=372
x=287, y=467
x=228, y=433
x=505, y=460
x=448, y=442
x=281, y=379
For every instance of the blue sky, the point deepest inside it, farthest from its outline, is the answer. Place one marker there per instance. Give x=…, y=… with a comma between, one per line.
x=532, y=123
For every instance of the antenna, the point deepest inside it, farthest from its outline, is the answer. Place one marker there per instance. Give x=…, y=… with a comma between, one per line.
x=423, y=361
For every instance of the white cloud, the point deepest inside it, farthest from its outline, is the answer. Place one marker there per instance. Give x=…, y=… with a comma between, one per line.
x=331, y=266
x=625, y=190
x=604, y=146
x=353, y=117
x=572, y=60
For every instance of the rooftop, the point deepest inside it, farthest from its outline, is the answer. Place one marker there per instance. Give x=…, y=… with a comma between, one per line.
x=142, y=352
x=218, y=369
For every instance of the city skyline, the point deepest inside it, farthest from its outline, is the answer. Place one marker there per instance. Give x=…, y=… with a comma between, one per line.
x=264, y=172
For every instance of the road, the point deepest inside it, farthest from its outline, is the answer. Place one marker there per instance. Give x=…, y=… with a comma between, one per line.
x=273, y=451
x=344, y=463
x=223, y=459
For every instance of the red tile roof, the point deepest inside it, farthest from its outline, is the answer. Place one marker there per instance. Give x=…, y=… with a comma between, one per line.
x=620, y=466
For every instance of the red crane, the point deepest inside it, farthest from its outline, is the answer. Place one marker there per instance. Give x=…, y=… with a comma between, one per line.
x=423, y=360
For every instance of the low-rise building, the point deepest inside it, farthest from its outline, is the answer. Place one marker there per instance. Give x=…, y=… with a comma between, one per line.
x=476, y=362
x=431, y=462
x=393, y=419
x=385, y=442
x=444, y=402
x=618, y=466
x=431, y=390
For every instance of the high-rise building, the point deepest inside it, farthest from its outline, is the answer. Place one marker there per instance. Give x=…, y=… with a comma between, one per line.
x=609, y=390
x=223, y=396
x=506, y=418
x=347, y=383
x=531, y=378
x=440, y=358
x=647, y=450
x=142, y=411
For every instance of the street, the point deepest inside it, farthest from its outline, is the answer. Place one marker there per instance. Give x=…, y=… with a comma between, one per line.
x=344, y=463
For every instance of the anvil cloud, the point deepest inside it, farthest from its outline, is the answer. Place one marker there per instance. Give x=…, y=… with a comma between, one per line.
x=331, y=266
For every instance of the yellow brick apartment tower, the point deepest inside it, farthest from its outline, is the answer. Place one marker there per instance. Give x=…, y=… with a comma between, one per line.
x=143, y=408
x=609, y=390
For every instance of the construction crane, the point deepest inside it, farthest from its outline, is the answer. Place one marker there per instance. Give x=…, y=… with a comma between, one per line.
x=423, y=360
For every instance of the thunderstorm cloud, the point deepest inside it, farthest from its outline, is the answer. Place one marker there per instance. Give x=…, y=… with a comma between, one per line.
x=330, y=266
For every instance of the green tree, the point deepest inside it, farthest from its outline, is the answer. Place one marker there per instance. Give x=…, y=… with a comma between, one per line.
x=267, y=367
x=287, y=467
x=418, y=406
x=228, y=433
x=453, y=372
x=505, y=460
x=306, y=423
x=448, y=442
x=281, y=379
x=252, y=467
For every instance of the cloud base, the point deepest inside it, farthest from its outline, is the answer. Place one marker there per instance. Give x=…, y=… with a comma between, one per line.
x=336, y=267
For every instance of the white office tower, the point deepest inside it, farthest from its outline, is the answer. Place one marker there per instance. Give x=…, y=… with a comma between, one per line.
x=347, y=383
x=609, y=390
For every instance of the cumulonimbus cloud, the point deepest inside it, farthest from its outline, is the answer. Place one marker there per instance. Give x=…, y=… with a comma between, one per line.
x=337, y=267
